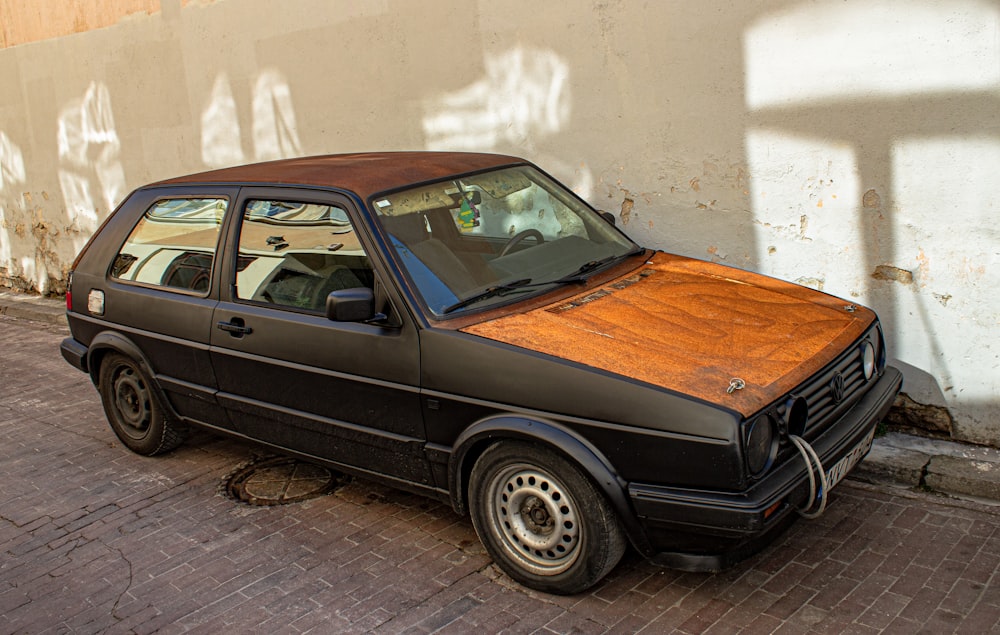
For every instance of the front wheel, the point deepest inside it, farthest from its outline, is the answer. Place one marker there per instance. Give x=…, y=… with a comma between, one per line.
x=132, y=409
x=540, y=518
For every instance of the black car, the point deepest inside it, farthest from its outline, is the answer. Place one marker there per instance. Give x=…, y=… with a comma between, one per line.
x=464, y=326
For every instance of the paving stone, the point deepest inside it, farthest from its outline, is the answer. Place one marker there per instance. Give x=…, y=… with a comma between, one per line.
x=94, y=539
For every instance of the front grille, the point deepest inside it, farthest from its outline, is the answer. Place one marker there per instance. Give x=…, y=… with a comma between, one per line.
x=820, y=393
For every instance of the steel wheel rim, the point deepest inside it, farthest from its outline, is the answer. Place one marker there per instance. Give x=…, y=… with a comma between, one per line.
x=132, y=403
x=535, y=519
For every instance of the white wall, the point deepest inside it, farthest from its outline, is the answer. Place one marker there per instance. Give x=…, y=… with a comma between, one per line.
x=848, y=145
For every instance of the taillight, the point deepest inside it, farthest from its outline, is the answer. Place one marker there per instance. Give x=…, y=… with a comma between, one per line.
x=69, y=292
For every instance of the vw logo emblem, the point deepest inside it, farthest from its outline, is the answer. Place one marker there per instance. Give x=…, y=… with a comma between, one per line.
x=837, y=388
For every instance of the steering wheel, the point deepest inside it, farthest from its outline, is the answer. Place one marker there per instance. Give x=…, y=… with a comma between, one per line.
x=518, y=237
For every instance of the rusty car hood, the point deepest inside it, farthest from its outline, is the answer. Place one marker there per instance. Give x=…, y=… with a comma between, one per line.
x=692, y=326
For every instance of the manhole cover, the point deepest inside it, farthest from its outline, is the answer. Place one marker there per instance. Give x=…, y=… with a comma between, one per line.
x=282, y=480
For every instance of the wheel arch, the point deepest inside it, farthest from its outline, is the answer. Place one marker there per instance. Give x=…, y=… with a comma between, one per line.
x=475, y=439
x=112, y=342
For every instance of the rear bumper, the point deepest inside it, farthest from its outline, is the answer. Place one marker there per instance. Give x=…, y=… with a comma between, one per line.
x=75, y=353
x=705, y=530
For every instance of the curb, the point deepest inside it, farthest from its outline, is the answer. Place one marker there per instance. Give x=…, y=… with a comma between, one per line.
x=33, y=307
x=895, y=460
x=947, y=467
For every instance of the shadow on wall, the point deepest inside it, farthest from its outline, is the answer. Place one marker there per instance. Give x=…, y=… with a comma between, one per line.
x=868, y=128
x=522, y=99
x=275, y=133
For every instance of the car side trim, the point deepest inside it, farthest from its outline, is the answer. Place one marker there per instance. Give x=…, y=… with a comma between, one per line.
x=474, y=439
x=342, y=429
x=541, y=415
x=131, y=329
x=326, y=372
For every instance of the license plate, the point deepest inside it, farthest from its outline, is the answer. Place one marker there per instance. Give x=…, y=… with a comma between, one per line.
x=840, y=469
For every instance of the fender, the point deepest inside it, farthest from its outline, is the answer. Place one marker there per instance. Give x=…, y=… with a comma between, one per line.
x=113, y=341
x=474, y=439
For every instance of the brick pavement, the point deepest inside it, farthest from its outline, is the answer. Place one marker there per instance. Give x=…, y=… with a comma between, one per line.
x=94, y=539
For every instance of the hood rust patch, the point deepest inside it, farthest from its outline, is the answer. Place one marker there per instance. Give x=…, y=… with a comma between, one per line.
x=692, y=326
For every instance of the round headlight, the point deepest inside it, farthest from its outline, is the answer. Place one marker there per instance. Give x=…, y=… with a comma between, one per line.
x=868, y=359
x=760, y=444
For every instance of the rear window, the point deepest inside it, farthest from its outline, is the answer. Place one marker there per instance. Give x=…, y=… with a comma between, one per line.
x=173, y=245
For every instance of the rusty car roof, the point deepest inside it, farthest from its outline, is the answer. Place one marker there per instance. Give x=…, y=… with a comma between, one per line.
x=362, y=173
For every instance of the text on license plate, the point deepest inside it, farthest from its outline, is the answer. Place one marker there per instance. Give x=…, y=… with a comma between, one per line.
x=840, y=469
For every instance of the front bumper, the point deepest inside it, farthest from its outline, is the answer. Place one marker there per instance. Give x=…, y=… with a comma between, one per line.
x=708, y=531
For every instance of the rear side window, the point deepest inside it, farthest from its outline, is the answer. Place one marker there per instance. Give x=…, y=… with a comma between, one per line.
x=173, y=245
x=295, y=254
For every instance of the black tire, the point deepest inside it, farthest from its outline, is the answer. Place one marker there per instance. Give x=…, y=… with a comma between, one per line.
x=542, y=520
x=132, y=409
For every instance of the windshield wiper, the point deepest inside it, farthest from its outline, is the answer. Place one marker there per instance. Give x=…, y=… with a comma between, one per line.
x=509, y=287
x=490, y=292
x=580, y=274
x=576, y=277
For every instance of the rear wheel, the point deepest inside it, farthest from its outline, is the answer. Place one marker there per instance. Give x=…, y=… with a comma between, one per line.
x=132, y=409
x=542, y=520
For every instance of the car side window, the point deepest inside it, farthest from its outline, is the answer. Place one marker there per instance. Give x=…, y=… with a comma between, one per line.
x=173, y=245
x=294, y=254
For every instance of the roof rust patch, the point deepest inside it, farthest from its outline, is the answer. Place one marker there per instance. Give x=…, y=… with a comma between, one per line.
x=363, y=173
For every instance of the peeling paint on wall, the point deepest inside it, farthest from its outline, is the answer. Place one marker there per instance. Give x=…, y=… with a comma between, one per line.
x=716, y=255
x=812, y=283
x=803, y=227
x=626, y=211
x=871, y=199
x=892, y=274
x=910, y=415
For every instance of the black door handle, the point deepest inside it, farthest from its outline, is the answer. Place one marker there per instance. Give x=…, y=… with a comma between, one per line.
x=236, y=328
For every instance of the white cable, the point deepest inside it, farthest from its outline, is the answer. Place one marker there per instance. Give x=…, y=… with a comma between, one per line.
x=812, y=459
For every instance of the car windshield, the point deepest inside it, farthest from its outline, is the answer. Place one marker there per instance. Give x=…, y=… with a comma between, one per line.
x=474, y=241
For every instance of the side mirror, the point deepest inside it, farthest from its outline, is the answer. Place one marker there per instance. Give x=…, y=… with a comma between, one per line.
x=608, y=216
x=351, y=305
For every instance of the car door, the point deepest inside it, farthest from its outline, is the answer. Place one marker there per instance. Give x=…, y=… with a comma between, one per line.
x=345, y=392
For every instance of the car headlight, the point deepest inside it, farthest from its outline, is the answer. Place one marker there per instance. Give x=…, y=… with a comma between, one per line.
x=868, y=359
x=761, y=444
